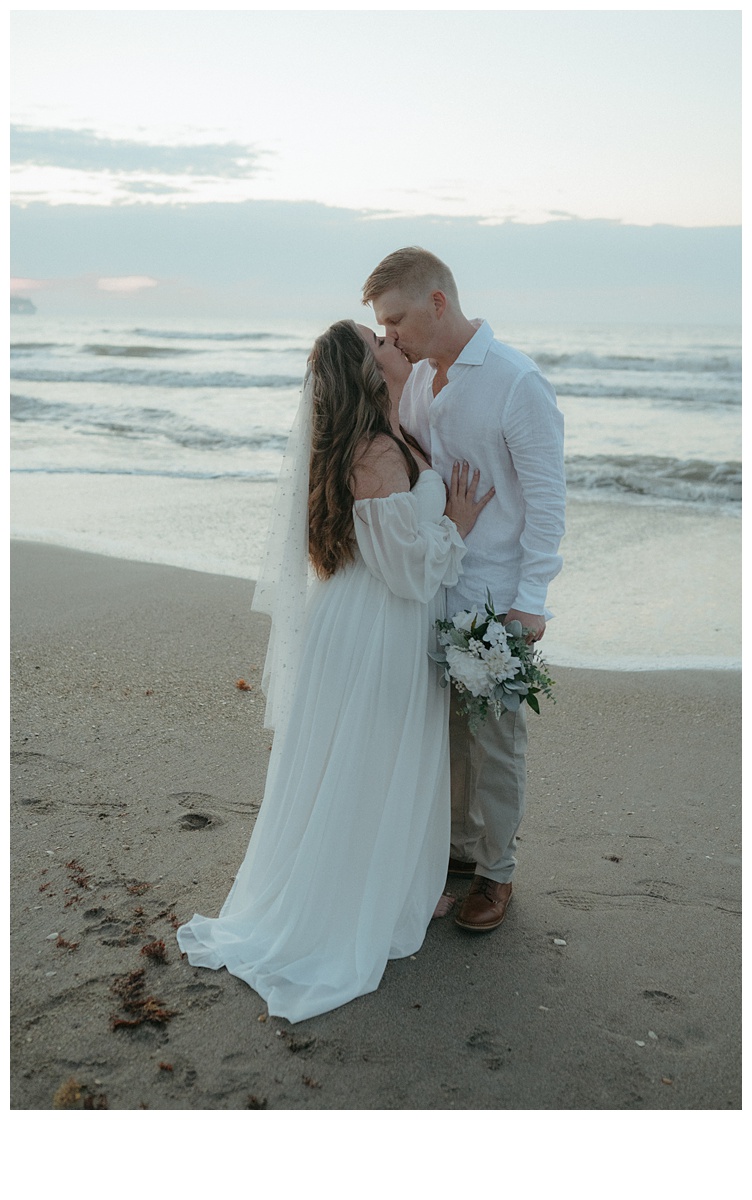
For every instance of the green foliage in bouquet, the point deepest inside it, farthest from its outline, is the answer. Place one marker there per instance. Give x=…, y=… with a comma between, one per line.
x=490, y=664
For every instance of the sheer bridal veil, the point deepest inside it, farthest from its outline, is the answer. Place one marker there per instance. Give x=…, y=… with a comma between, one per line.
x=282, y=584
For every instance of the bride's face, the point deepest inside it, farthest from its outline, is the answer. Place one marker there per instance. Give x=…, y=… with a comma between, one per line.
x=391, y=362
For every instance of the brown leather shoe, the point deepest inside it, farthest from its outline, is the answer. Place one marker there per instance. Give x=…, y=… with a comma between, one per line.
x=485, y=905
x=458, y=867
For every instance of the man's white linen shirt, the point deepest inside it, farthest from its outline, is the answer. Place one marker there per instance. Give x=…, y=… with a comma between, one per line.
x=498, y=413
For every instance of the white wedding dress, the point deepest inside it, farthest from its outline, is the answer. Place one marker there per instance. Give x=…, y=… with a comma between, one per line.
x=349, y=854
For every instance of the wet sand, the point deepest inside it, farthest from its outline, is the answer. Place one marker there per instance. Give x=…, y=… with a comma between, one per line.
x=138, y=767
x=633, y=593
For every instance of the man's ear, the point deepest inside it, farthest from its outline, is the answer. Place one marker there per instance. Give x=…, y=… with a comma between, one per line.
x=439, y=301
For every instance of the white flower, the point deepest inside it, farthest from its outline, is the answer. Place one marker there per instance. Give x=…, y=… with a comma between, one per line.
x=495, y=633
x=476, y=647
x=501, y=663
x=464, y=620
x=470, y=671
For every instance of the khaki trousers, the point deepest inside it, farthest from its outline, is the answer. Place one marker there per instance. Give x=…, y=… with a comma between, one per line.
x=488, y=790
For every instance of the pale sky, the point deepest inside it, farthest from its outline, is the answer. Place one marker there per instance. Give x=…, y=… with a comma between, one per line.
x=630, y=116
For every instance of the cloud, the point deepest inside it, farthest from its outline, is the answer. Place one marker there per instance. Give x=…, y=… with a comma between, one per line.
x=304, y=259
x=26, y=285
x=126, y=283
x=151, y=189
x=84, y=150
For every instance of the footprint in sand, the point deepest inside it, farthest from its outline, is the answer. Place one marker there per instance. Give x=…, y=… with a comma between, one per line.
x=202, y=802
x=201, y=814
x=663, y=1000
x=193, y=821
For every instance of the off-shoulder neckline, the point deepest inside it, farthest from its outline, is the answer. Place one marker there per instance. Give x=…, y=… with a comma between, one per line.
x=392, y=495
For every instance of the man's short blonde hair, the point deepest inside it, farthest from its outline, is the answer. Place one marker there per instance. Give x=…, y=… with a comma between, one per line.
x=414, y=271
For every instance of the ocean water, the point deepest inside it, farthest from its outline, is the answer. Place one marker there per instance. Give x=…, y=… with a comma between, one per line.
x=161, y=441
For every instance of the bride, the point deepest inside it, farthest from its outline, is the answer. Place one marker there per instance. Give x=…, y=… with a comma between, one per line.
x=348, y=858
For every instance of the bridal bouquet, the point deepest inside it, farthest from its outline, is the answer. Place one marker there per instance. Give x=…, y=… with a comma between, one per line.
x=489, y=663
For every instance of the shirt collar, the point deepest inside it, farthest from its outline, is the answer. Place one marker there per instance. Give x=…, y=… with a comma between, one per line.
x=474, y=353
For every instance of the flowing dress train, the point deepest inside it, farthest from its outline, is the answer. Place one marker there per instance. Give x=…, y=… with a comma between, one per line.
x=349, y=854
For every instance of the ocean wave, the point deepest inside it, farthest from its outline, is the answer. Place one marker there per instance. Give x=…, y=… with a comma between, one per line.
x=710, y=396
x=133, y=377
x=119, y=351
x=689, y=480
x=107, y=351
x=142, y=424
x=728, y=364
x=695, y=483
x=257, y=476
x=183, y=335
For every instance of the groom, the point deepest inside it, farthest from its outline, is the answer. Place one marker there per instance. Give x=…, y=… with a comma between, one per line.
x=472, y=398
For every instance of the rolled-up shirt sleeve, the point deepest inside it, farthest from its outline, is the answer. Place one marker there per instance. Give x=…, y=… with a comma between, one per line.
x=413, y=557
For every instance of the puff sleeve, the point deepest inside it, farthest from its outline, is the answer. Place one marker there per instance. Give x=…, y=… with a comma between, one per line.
x=412, y=555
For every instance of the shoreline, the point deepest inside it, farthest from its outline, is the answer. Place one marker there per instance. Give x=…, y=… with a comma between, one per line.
x=635, y=576
x=138, y=767
x=561, y=658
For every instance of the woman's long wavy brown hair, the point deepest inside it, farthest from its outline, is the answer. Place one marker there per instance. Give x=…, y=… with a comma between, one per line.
x=351, y=407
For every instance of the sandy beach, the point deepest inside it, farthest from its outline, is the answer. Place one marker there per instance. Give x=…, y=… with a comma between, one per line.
x=138, y=768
